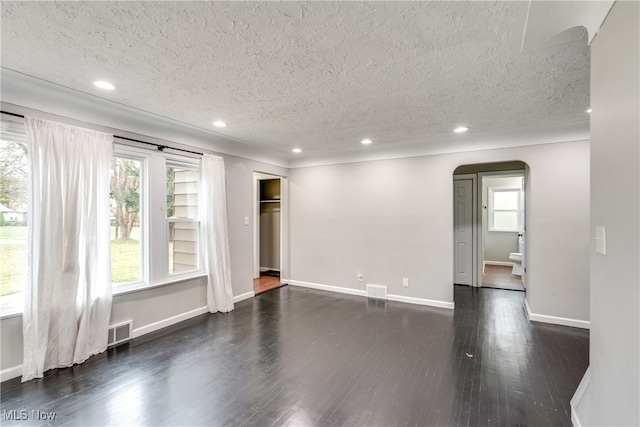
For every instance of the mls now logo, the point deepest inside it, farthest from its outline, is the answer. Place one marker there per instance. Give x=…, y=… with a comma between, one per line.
x=16, y=415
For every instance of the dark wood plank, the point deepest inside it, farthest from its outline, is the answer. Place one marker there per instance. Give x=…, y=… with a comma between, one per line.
x=300, y=357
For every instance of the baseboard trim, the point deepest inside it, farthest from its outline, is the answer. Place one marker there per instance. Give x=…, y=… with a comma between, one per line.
x=9, y=373
x=362, y=293
x=243, y=297
x=421, y=301
x=562, y=321
x=576, y=400
x=155, y=326
x=502, y=263
x=329, y=288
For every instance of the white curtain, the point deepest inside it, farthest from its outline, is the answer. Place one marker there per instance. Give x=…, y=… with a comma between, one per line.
x=68, y=290
x=213, y=202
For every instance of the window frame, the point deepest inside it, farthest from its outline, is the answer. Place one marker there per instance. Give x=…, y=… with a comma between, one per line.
x=181, y=162
x=131, y=153
x=13, y=304
x=492, y=210
x=155, y=231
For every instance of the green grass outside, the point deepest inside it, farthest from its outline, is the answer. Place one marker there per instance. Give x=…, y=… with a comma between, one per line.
x=13, y=233
x=13, y=267
x=125, y=259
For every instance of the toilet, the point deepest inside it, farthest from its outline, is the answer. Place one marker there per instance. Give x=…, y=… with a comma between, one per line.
x=516, y=257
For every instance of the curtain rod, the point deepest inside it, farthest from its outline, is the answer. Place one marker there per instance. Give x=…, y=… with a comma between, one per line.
x=160, y=147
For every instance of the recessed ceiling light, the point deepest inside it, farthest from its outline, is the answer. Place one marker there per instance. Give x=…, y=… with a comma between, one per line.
x=461, y=129
x=366, y=141
x=588, y=111
x=219, y=124
x=104, y=85
x=297, y=150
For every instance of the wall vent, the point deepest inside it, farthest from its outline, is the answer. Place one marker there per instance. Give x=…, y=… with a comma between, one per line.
x=377, y=291
x=119, y=333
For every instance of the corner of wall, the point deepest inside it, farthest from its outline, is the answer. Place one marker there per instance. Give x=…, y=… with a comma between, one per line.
x=577, y=412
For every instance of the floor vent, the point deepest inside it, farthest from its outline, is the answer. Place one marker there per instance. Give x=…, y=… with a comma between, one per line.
x=377, y=291
x=119, y=333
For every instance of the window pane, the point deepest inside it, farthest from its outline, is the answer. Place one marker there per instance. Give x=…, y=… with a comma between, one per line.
x=506, y=221
x=182, y=203
x=125, y=220
x=14, y=181
x=183, y=246
x=182, y=192
x=507, y=200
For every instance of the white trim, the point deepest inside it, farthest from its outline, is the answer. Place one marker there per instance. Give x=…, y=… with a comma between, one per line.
x=263, y=269
x=502, y=263
x=321, y=287
x=9, y=373
x=362, y=293
x=576, y=400
x=562, y=321
x=243, y=297
x=421, y=301
x=155, y=326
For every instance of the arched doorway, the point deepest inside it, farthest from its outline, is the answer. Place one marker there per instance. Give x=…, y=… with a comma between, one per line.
x=490, y=225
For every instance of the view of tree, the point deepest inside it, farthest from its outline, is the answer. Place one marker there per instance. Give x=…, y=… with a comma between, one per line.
x=14, y=174
x=170, y=191
x=125, y=195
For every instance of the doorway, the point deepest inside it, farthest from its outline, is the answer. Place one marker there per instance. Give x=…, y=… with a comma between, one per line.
x=267, y=232
x=490, y=225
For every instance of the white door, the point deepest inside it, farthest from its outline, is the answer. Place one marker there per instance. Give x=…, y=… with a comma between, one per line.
x=463, y=231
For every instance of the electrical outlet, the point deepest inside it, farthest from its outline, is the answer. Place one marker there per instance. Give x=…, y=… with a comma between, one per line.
x=405, y=282
x=360, y=277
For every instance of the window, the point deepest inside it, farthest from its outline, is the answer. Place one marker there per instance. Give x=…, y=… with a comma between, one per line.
x=182, y=219
x=154, y=217
x=504, y=209
x=126, y=220
x=14, y=183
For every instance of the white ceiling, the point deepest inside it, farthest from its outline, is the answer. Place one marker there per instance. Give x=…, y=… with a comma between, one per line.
x=320, y=76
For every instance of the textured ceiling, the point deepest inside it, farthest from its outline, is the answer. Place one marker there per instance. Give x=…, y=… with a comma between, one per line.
x=316, y=75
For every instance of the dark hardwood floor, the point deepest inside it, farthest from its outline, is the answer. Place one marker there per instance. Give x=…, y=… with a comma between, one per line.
x=301, y=357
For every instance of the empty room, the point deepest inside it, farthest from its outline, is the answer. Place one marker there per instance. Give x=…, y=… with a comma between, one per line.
x=320, y=213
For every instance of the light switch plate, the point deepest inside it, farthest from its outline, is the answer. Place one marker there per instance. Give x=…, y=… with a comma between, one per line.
x=601, y=240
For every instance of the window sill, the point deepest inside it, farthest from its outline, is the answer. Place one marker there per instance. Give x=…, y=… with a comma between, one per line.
x=10, y=312
x=139, y=287
x=12, y=306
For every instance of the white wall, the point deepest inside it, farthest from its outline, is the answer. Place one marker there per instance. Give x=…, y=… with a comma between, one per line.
x=612, y=395
x=394, y=218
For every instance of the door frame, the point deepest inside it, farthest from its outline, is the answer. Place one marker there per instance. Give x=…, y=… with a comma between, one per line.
x=284, y=221
x=480, y=211
x=475, y=282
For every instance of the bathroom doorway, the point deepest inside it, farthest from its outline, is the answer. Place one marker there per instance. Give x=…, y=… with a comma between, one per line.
x=492, y=252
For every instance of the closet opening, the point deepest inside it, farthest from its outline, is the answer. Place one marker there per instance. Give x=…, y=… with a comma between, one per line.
x=268, y=233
